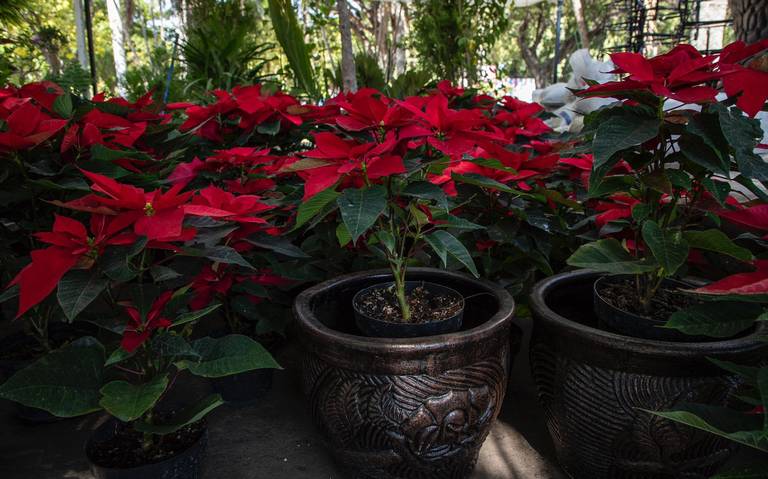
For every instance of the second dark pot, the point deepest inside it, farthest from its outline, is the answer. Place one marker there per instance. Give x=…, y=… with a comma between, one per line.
x=407, y=408
x=594, y=385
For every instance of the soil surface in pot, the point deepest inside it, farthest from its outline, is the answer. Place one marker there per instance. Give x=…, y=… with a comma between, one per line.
x=426, y=307
x=125, y=448
x=621, y=294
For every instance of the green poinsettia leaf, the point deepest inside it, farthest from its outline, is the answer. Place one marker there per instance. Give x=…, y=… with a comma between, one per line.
x=622, y=129
x=360, y=208
x=79, y=288
x=188, y=416
x=127, y=401
x=64, y=382
x=313, y=206
x=446, y=245
x=608, y=256
x=231, y=354
x=195, y=315
x=721, y=319
x=427, y=191
x=717, y=241
x=668, y=246
x=735, y=425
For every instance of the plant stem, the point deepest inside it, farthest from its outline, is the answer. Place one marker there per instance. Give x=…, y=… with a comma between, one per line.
x=399, y=274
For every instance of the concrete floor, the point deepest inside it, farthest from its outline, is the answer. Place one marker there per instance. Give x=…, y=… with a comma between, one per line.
x=276, y=439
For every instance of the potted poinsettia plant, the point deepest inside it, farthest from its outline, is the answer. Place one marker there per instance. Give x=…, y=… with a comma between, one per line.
x=374, y=175
x=130, y=273
x=666, y=157
x=45, y=134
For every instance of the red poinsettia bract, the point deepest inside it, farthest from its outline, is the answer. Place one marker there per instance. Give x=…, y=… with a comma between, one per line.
x=138, y=329
x=348, y=157
x=72, y=246
x=369, y=109
x=755, y=217
x=28, y=126
x=748, y=83
x=453, y=132
x=679, y=74
x=745, y=284
x=214, y=202
x=156, y=214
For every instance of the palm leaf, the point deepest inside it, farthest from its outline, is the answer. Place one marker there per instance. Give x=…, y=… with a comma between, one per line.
x=291, y=37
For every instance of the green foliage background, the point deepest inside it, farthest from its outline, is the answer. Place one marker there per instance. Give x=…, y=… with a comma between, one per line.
x=230, y=42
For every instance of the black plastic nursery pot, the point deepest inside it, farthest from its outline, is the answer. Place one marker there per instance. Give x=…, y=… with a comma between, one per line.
x=405, y=407
x=244, y=389
x=594, y=385
x=374, y=327
x=188, y=464
x=635, y=325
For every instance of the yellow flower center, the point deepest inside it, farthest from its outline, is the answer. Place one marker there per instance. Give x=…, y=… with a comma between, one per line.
x=93, y=252
x=149, y=210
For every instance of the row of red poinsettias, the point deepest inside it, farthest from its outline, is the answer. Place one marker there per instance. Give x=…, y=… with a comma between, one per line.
x=238, y=160
x=218, y=210
x=253, y=156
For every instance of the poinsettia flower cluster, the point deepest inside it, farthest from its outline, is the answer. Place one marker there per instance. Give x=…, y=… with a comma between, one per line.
x=257, y=154
x=688, y=76
x=243, y=109
x=139, y=329
x=28, y=116
x=217, y=281
x=660, y=180
x=249, y=169
x=121, y=215
x=72, y=245
x=372, y=135
x=32, y=117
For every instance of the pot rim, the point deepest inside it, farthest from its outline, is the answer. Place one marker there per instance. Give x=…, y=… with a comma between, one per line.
x=606, y=339
x=402, y=346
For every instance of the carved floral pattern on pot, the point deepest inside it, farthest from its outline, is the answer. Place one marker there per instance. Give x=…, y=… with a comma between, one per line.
x=406, y=426
x=444, y=425
x=596, y=419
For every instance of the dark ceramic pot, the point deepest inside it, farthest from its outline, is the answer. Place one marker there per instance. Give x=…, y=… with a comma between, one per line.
x=377, y=328
x=244, y=389
x=186, y=465
x=593, y=385
x=630, y=324
x=405, y=407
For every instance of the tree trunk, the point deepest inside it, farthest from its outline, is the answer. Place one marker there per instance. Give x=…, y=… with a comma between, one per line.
x=348, y=74
x=750, y=19
x=118, y=48
x=128, y=9
x=51, y=55
x=382, y=52
x=401, y=32
x=82, y=49
x=581, y=23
